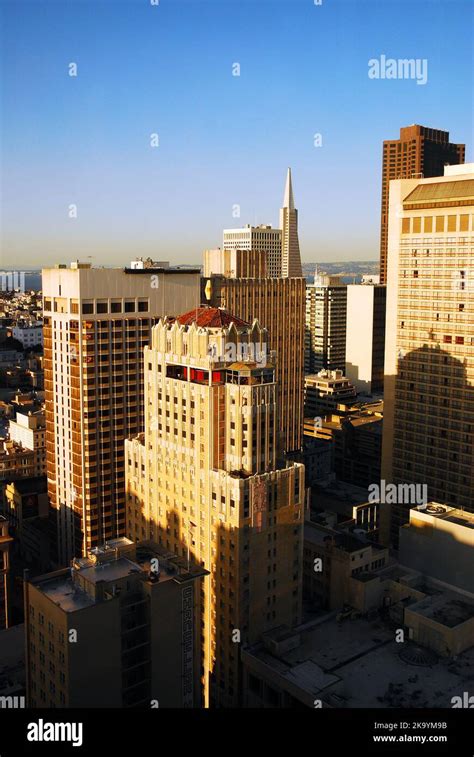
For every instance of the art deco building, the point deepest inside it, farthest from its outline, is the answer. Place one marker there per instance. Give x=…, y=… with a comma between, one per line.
x=429, y=355
x=262, y=239
x=290, y=246
x=96, y=324
x=117, y=629
x=278, y=305
x=206, y=480
x=325, y=335
x=420, y=152
x=365, y=336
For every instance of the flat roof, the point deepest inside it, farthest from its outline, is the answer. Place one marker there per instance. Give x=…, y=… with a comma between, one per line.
x=449, y=611
x=373, y=669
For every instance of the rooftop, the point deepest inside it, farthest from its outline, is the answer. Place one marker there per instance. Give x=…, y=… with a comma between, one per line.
x=443, y=190
x=360, y=650
x=446, y=513
x=74, y=588
x=210, y=318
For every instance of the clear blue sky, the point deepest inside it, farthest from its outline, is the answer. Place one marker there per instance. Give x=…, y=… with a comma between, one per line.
x=224, y=140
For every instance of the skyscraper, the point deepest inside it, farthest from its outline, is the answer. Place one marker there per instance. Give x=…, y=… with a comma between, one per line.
x=205, y=480
x=262, y=239
x=290, y=247
x=420, y=152
x=325, y=335
x=365, y=336
x=96, y=323
x=428, y=434
x=278, y=305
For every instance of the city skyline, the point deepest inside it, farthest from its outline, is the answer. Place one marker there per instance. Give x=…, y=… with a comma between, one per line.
x=90, y=142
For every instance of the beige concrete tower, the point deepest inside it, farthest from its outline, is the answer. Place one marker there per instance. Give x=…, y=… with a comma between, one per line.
x=205, y=481
x=290, y=247
x=261, y=240
x=96, y=324
x=428, y=434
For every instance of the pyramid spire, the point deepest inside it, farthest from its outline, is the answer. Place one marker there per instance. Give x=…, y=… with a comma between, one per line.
x=290, y=248
x=288, y=200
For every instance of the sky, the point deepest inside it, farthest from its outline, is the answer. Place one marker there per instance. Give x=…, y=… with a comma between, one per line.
x=80, y=177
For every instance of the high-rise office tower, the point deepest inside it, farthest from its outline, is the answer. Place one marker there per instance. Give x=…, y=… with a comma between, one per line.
x=278, y=305
x=290, y=246
x=262, y=239
x=428, y=434
x=365, y=336
x=96, y=323
x=420, y=152
x=325, y=336
x=119, y=628
x=5, y=544
x=205, y=480
x=235, y=263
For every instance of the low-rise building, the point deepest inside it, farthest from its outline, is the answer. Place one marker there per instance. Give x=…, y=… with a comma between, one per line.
x=325, y=390
x=29, y=430
x=16, y=461
x=435, y=529
x=29, y=334
x=332, y=555
x=135, y=606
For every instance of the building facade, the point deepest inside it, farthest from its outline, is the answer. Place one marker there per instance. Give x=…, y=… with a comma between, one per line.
x=420, y=152
x=117, y=629
x=5, y=545
x=365, y=337
x=205, y=480
x=428, y=433
x=278, y=305
x=325, y=336
x=96, y=323
x=262, y=239
x=29, y=430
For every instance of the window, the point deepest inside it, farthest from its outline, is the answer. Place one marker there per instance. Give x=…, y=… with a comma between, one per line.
x=87, y=308
x=416, y=225
x=102, y=307
x=439, y=223
x=428, y=224
x=451, y=223
x=129, y=306
x=116, y=307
